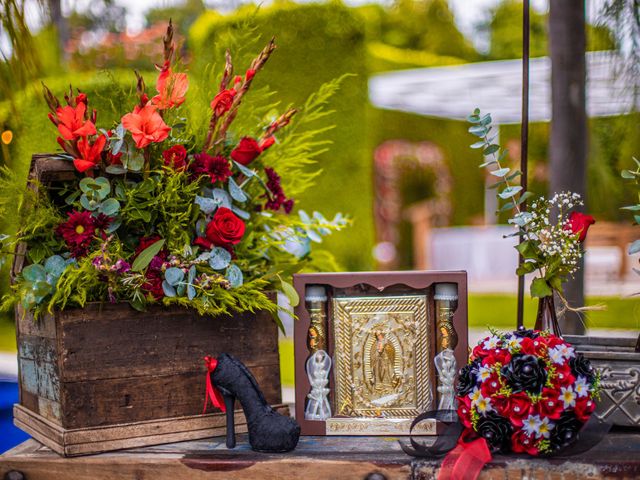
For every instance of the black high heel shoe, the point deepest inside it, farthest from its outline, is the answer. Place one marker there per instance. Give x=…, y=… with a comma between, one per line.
x=268, y=430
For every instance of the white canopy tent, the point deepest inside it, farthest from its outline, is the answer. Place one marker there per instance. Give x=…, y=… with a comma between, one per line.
x=453, y=92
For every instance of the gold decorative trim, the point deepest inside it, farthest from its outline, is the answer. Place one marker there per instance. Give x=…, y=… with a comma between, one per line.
x=378, y=426
x=382, y=358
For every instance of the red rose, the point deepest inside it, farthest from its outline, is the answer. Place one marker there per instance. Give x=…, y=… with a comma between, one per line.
x=518, y=408
x=521, y=443
x=584, y=408
x=553, y=341
x=479, y=352
x=246, y=151
x=222, y=102
x=563, y=376
x=225, y=228
x=175, y=157
x=491, y=385
x=464, y=411
x=499, y=355
x=579, y=223
x=550, y=404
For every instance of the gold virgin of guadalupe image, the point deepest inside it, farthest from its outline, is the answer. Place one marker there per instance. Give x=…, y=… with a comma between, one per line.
x=382, y=352
x=382, y=364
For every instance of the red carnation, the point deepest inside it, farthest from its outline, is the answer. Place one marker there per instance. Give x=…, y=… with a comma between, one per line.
x=175, y=157
x=217, y=168
x=246, y=151
x=77, y=232
x=579, y=223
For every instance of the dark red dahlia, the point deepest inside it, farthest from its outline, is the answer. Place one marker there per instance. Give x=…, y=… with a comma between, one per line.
x=77, y=232
x=277, y=199
x=216, y=168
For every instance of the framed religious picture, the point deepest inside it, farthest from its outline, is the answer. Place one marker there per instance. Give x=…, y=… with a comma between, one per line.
x=374, y=350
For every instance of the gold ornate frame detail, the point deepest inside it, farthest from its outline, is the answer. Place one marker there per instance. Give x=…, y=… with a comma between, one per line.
x=382, y=356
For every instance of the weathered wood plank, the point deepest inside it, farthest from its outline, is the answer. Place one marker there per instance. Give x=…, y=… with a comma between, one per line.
x=110, y=341
x=96, y=440
x=122, y=400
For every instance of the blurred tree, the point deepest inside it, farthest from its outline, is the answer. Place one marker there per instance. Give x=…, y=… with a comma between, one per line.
x=569, y=133
x=426, y=25
x=505, y=32
x=100, y=17
x=183, y=15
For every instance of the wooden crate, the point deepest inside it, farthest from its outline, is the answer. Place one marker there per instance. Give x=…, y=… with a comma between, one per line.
x=107, y=377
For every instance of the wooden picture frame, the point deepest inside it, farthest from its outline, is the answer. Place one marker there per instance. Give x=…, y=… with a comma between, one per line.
x=398, y=309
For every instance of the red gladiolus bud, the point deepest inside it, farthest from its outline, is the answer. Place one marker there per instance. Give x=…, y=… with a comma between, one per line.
x=250, y=74
x=267, y=142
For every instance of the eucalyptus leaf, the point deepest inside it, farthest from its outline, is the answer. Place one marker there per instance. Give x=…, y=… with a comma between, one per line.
x=207, y=205
x=55, y=265
x=115, y=169
x=85, y=184
x=247, y=172
x=191, y=292
x=103, y=187
x=219, y=259
x=114, y=225
x=500, y=172
x=491, y=149
x=234, y=275
x=221, y=198
x=192, y=274
x=479, y=144
x=241, y=213
x=135, y=163
x=168, y=289
x=110, y=207
x=34, y=273
x=87, y=204
x=173, y=276
x=236, y=192
x=510, y=192
x=313, y=236
x=634, y=247
x=144, y=258
x=304, y=216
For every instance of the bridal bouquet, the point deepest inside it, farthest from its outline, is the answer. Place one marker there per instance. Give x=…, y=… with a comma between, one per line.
x=160, y=214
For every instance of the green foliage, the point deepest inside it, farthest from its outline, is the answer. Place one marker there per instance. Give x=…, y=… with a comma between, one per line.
x=450, y=136
x=383, y=57
x=316, y=44
x=505, y=31
x=421, y=25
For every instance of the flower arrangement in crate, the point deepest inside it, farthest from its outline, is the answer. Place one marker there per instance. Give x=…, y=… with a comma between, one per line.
x=157, y=216
x=552, y=231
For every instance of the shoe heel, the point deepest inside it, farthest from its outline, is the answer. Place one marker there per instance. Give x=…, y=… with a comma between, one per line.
x=229, y=403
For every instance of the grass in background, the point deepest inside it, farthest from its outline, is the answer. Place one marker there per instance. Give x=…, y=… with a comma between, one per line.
x=7, y=337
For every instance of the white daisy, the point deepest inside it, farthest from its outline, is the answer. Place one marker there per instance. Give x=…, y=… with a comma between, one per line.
x=483, y=405
x=568, y=397
x=475, y=394
x=567, y=351
x=491, y=343
x=513, y=343
x=483, y=373
x=545, y=428
x=531, y=425
x=582, y=387
x=556, y=355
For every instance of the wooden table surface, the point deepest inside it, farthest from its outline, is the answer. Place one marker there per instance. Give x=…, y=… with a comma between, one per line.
x=617, y=456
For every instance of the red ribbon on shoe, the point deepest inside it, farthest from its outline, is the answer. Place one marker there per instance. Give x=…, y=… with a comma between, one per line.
x=212, y=393
x=466, y=460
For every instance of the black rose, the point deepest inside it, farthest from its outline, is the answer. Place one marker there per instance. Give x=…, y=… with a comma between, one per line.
x=523, y=332
x=565, y=431
x=525, y=373
x=581, y=367
x=467, y=378
x=496, y=430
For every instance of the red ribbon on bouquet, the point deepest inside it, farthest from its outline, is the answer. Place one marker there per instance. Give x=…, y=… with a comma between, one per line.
x=212, y=393
x=466, y=460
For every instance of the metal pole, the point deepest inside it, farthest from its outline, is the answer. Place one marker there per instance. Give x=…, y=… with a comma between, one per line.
x=524, y=138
